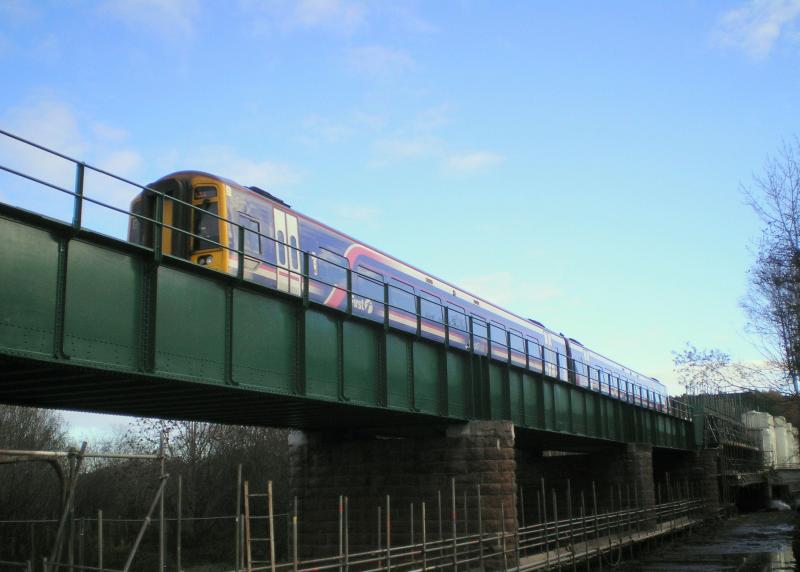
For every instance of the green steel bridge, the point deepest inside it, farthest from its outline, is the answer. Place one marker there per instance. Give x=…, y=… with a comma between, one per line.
x=91, y=322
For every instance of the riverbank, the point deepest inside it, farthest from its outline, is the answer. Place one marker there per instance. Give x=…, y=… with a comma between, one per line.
x=752, y=542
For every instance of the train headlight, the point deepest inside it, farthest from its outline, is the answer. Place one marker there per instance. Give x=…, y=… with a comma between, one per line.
x=205, y=260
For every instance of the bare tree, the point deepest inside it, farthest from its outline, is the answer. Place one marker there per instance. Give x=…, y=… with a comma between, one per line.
x=712, y=371
x=773, y=299
x=27, y=489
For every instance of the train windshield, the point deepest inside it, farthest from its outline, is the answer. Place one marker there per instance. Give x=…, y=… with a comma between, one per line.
x=206, y=226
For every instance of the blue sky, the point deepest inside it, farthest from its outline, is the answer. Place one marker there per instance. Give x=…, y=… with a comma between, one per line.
x=576, y=162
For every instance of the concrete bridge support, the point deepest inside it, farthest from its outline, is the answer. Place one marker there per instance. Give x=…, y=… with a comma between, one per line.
x=368, y=466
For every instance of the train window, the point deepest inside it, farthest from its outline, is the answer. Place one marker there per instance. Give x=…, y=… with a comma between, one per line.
x=295, y=254
x=336, y=259
x=430, y=307
x=206, y=226
x=281, y=248
x=498, y=333
x=401, y=296
x=252, y=242
x=205, y=192
x=332, y=268
x=456, y=317
x=368, y=283
x=479, y=328
x=516, y=343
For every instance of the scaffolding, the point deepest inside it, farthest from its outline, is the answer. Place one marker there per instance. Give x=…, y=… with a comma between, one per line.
x=569, y=526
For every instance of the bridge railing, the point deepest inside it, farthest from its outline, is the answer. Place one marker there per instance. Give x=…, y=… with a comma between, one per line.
x=327, y=280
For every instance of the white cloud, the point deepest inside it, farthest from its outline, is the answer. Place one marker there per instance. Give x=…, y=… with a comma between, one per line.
x=318, y=129
x=167, y=18
x=49, y=123
x=54, y=124
x=470, y=162
x=408, y=18
x=340, y=15
x=225, y=162
x=505, y=289
x=428, y=147
x=18, y=11
x=47, y=49
x=421, y=147
x=432, y=118
x=379, y=61
x=364, y=214
x=757, y=26
x=337, y=16
x=123, y=162
x=6, y=46
x=106, y=132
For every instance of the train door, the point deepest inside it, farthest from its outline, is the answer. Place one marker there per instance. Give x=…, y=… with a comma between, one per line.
x=287, y=253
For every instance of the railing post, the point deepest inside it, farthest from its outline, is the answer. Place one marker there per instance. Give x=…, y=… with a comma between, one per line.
x=77, y=212
x=386, y=305
x=306, y=277
x=158, y=233
x=349, y=291
x=446, y=327
x=240, y=252
x=418, y=311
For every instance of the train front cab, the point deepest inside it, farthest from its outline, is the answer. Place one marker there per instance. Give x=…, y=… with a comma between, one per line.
x=194, y=234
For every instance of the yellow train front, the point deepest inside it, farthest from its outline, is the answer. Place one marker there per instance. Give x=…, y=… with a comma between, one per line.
x=200, y=233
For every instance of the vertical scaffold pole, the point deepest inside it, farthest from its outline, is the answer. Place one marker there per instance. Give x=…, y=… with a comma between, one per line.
x=248, y=562
x=341, y=533
x=441, y=535
x=388, y=533
x=543, y=494
x=179, y=526
x=411, y=531
x=100, y=540
x=503, y=535
x=237, y=537
x=162, y=530
x=555, y=522
x=480, y=529
x=424, y=540
x=271, y=528
x=294, y=543
x=454, y=515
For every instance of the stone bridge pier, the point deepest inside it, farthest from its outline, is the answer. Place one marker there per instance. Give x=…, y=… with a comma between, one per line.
x=444, y=467
x=431, y=468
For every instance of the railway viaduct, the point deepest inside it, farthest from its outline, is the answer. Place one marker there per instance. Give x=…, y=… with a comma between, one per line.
x=94, y=323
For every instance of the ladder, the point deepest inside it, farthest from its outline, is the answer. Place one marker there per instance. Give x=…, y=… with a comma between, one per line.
x=250, y=541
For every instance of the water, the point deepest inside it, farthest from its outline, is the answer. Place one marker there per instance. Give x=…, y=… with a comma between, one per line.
x=747, y=543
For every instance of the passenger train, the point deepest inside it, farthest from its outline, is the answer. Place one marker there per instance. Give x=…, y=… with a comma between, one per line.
x=206, y=219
